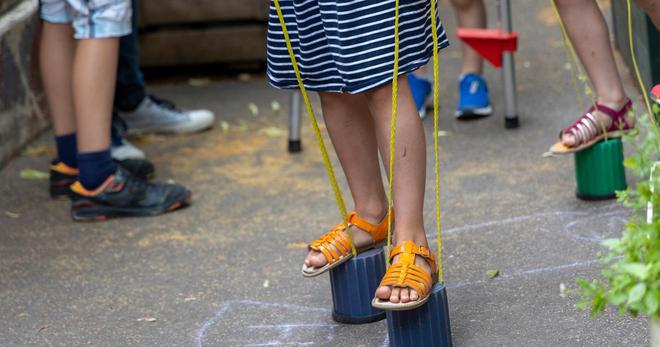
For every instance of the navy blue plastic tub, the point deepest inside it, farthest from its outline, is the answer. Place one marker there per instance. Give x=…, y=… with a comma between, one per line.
x=426, y=326
x=353, y=286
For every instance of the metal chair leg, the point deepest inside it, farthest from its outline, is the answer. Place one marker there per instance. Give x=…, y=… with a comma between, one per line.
x=508, y=71
x=295, y=145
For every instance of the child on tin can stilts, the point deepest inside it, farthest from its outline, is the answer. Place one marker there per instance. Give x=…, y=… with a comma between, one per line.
x=608, y=117
x=345, y=51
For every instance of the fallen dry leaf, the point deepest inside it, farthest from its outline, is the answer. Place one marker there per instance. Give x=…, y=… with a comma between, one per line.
x=199, y=82
x=275, y=106
x=493, y=273
x=224, y=126
x=11, y=214
x=147, y=319
x=297, y=245
x=254, y=109
x=37, y=150
x=31, y=174
x=273, y=132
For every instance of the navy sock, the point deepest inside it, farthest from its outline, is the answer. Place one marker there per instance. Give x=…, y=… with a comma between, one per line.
x=67, y=150
x=95, y=168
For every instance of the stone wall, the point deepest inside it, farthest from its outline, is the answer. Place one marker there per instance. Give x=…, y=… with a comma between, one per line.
x=22, y=115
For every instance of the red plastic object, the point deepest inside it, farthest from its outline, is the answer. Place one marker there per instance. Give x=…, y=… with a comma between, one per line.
x=489, y=43
x=655, y=91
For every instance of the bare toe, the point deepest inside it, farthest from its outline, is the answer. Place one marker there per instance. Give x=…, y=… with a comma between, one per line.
x=318, y=260
x=405, y=295
x=568, y=139
x=383, y=292
x=413, y=295
x=394, y=297
x=315, y=259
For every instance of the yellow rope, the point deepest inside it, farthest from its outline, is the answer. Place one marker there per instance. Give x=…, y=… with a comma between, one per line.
x=395, y=87
x=436, y=139
x=636, y=68
x=317, y=131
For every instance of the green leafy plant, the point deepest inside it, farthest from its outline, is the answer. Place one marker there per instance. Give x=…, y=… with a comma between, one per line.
x=632, y=263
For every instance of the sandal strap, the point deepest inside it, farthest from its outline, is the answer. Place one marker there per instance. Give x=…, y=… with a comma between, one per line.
x=335, y=244
x=405, y=273
x=409, y=248
x=587, y=126
x=377, y=232
x=619, y=121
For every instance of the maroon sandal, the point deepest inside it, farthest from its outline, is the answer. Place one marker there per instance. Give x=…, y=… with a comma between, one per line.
x=588, y=131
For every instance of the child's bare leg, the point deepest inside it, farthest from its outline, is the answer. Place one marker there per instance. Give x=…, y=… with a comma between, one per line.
x=652, y=8
x=409, y=172
x=588, y=32
x=470, y=14
x=351, y=129
x=94, y=87
x=56, y=61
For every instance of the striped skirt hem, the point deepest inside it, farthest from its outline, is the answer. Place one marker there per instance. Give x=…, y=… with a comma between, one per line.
x=348, y=46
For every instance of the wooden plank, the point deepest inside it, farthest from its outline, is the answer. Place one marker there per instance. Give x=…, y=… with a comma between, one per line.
x=159, y=12
x=169, y=47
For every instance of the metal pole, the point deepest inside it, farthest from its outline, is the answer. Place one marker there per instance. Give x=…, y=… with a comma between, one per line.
x=295, y=145
x=508, y=71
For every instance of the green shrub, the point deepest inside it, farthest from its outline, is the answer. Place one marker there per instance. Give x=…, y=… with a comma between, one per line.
x=632, y=264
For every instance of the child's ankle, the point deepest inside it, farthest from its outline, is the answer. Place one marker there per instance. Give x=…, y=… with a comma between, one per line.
x=615, y=103
x=372, y=214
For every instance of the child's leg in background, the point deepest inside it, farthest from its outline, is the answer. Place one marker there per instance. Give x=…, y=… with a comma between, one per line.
x=409, y=171
x=56, y=63
x=589, y=34
x=652, y=9
x=470, y=14
x=94, y=74
x=351, y=129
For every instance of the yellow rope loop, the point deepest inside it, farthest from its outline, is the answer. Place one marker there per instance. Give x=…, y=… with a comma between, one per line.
x=395, y=87
x=436, y=121
x=639, y=76
x=317, y=132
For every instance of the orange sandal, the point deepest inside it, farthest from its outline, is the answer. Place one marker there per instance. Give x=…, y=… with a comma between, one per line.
x=405, y=274
x=336, y=247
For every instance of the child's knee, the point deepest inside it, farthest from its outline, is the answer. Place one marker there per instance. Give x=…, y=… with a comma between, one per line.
x=379, y=95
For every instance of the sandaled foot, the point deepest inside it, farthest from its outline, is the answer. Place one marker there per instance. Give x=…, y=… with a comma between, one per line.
x=408, y=281
x=599, y=123
x=334, y=248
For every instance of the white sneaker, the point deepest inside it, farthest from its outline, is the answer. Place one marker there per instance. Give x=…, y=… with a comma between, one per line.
x=160, y=116
x=125, y=150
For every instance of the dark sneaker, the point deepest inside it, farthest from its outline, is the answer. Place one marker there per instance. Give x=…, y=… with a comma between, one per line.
x=62, y=177
x=140, y=168
x=124, y=195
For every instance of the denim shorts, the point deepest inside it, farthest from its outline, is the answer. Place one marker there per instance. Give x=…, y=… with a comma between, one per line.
x=90, y=18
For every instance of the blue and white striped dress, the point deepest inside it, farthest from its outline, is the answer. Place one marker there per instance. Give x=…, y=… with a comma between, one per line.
x=348, y=45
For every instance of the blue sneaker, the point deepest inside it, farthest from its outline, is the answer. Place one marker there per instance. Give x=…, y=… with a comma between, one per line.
x=473, y=100
x=421, y=92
